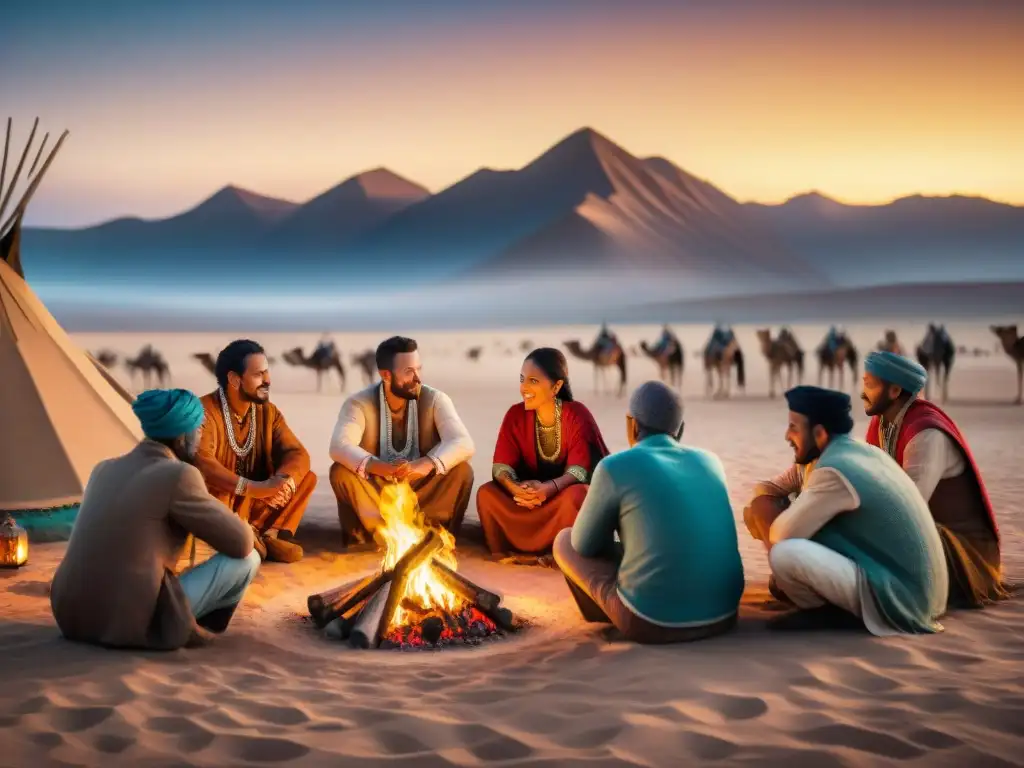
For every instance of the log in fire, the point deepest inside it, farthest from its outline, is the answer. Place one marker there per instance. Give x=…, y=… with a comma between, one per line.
x=418, y=599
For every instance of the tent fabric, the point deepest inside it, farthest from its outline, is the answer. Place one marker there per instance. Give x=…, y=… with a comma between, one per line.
x=59, y=414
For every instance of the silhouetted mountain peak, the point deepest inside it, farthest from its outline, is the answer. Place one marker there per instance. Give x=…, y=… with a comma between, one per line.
x=583, y=154
x=379, y=184
x=232, y=201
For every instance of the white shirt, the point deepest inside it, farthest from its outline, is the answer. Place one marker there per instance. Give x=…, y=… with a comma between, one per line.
x=456, y=445
x=931, y=456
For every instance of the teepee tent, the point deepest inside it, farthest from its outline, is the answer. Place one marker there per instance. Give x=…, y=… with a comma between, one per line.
x=60, y=413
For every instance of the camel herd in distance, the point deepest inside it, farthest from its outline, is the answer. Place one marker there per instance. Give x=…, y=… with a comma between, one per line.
x=835, y=355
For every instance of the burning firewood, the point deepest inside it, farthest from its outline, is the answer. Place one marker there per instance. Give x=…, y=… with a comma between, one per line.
x=366, y=631
x=411, y=560
x=465, y=588
x=418, y=599
x=323, y=607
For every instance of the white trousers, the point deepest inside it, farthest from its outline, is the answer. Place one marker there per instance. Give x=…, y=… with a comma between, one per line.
x=812, y=575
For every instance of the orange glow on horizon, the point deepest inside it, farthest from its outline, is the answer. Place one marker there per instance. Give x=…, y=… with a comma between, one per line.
x=765, y=106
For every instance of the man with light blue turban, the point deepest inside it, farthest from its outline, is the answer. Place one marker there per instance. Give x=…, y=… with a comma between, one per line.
x=117, y=585
x=926, y=442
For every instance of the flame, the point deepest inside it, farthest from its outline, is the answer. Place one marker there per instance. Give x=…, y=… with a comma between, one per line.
x=403, y=528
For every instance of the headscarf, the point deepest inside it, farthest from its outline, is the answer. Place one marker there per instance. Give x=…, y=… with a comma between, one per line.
x=657, y=407
x=827, y=407
x=168, y=413
x=905, y=373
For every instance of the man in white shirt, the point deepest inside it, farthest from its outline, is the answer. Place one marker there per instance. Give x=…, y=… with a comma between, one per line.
x=926, y=442
x=399, y=430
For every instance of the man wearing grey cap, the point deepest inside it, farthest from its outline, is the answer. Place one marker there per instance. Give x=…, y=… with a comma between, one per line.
x=675, y=574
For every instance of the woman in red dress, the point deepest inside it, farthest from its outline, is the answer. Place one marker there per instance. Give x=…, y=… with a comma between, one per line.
x=548, y=446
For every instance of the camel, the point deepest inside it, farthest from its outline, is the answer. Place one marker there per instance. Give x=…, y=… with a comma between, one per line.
x=149, y=363
x=106, y=358
x=473, y=353
x=781, y=351
x=670, y=360
x=891, y=344
x=208, y=361
x=834, y=362
x=367, y=363
x=936, y=353
x=525, y=345
x=721, y=360
x=614, y=357
x=320, y=364
x=1014, y=347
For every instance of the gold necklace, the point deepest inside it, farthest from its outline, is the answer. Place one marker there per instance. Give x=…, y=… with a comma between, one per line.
x=550, y=458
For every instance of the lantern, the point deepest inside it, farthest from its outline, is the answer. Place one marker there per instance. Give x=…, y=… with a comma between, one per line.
x=13, y=543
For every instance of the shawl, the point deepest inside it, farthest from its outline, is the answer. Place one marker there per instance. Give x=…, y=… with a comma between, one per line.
x=922, y=415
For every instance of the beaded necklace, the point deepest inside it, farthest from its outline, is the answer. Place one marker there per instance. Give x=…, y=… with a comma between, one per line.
x=544, y=435
x=229, y=427
x=387, y=448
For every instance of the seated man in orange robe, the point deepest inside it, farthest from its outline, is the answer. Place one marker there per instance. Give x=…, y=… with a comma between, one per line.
x=249, y=457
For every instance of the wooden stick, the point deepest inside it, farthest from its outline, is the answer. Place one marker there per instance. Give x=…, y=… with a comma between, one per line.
x=17, y=172
x=365, y=632
x=502, y=617
x=319, y=605
x=411, y=560
x=32, y=169
x=342, y=607
x=465, y=588
x=3, y=166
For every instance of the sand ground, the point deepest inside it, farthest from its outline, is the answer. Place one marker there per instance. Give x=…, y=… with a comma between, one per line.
x=274, y=691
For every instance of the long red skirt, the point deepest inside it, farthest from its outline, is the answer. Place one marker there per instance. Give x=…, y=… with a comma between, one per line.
x=511, y=528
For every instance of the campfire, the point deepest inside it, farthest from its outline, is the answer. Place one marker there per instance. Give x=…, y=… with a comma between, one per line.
x=418, y=599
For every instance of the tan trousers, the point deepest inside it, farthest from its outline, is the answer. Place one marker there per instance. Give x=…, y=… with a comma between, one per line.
x=443, y=499
x=592, y=583
x=287, y=518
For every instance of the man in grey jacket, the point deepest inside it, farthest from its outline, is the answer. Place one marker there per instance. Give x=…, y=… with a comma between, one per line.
x=116, y=585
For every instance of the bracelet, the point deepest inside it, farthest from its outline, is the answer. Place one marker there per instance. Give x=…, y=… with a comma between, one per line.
x=240, y=486
x=555, y=483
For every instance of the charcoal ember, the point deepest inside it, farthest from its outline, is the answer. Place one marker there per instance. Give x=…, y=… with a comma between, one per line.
x=388, y=644
x=431, y=629
x=504, y=619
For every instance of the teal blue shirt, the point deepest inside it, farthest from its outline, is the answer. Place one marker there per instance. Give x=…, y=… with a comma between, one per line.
x=670, y=505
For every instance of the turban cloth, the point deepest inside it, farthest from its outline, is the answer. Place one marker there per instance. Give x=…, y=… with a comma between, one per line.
x=896, y=369
x=657, y=407
x=827, y=407
x=168, y=413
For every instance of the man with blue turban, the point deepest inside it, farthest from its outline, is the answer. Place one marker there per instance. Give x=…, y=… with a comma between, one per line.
x=117, y=585
x=926, y=442
x=858, y=540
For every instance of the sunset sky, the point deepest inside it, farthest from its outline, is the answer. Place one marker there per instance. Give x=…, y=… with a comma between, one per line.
x=168, y=101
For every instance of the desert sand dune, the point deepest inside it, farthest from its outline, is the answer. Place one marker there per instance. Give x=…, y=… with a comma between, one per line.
x=273, y=690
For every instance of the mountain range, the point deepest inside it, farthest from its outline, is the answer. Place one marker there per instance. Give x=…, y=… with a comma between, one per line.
x=586, y=206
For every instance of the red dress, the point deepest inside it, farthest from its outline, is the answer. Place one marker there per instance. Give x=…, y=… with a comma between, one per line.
x=510, y=527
